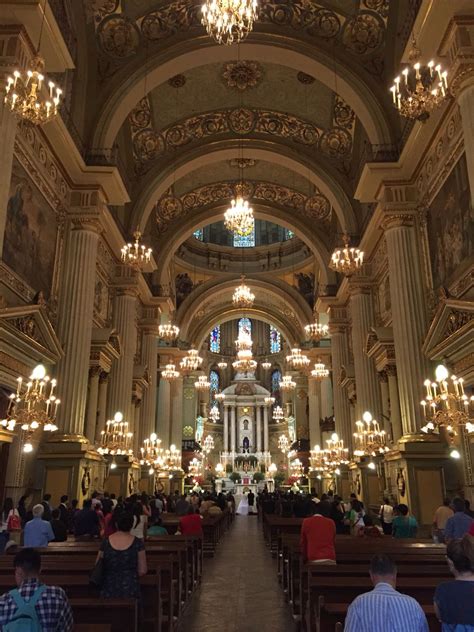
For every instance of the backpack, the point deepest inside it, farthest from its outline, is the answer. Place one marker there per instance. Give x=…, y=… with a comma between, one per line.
x=14, y=521
x=25, y=618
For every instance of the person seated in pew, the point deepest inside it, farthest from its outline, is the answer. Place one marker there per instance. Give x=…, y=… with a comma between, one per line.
x=370, y=530
x=459, y=524
x=191, y=524
x=58, y=526
x=52, y=611
x=38, y=532
x=403, y=525
x=157, y=527
x=124, y=561
x=318, y=536
x=86, y=522
x=384, y=609
x=454, y=600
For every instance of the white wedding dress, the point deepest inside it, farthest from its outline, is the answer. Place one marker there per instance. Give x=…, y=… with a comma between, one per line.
x=243, y=508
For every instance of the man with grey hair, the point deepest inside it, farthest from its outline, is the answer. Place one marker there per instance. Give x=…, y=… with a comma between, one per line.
x=38, y=532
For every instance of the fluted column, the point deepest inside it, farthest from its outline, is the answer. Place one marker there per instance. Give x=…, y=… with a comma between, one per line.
x=121, y=375
x=385, y=421
x=408, y=314
x=163, y=411
x=92, y=402
x=226, y=428
x=177, y=412
x=367, y=385
x=395, y=415
x=314, y=405
x=340, y=358
x=149, y=327
x=259, y=427
x=327, y=405
x=102, y=405
x=76, y=307
x=265, y=430
x=232, y=428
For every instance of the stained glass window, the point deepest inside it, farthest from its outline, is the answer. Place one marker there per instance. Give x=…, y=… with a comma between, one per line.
x=275, y=340
x=215, y=340
x=214, y=380
x=245, y=326
x=247, y=241
x=276, y=379
x=289, y=234
x=199, y=234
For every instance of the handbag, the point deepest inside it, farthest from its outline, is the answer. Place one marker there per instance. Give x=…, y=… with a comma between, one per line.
x=97, y=574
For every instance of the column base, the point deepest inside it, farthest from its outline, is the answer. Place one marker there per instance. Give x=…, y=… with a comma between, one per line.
x=367, y=483
x=123, y=479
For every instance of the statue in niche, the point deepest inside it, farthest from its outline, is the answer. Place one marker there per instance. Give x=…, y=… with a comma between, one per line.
x=306, y=286
x=246, y=447
x=184, y=286
x=246, y=424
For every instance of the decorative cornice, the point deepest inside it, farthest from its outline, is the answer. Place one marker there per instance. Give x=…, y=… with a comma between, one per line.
x=398, y=220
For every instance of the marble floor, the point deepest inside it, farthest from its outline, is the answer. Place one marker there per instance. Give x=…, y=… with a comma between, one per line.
x=240, y=590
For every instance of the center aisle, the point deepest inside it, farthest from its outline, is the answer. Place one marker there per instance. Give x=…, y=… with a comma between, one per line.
x=240, y=590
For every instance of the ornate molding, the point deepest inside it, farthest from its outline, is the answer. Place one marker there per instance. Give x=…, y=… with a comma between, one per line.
x=398, y=220
x=242, y=75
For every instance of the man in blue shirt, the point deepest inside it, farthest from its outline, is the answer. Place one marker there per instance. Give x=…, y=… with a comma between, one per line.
x=385, y=609
x=38, y=532
x=459, y=524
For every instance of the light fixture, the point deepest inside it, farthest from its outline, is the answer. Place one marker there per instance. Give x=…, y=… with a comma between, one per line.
x=202, y=383
x=278, y=414
x=229, y=21
x=316, y=332
x=455, y=454
x=266, y=365
x=287, y=383
x=419, y=88
x=239, y=218
x=161, y=460
x=208, y=444
x=297, y=360
x=219, y=397
x=191, y=362
x=214, y=414
x=269, y=401
x=371, y=465
x=346, y=260
x=243, y=297
x=136, y=254
x=116, y=438
x=329, y=460
x=34, y=406
x=168, y=332
x=222, y=365
x=245, y=361
x=170, y=372
x=320, y=372
x=219, y=469
x=284, y=443
x=369, y=439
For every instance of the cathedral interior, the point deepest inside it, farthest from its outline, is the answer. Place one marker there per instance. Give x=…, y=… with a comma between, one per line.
x=216, y=258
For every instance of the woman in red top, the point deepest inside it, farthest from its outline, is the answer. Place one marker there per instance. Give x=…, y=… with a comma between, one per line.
x=318, y=536
x=191, y=524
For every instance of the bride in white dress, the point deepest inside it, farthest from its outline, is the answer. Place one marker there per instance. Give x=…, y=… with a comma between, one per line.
x=243, y=508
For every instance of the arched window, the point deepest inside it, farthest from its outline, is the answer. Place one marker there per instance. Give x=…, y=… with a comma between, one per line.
x=214, y=379
x=215, y=340
x=275, y=340
x=276, y=379
x=245, y=241
x=245, y=326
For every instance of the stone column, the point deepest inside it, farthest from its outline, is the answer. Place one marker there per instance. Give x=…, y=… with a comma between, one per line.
x=395, y=414
x=340, y=358
x=92, y=404
x=149, y=327
x=102, y=405
x=75, y=312
x=385, y=421
x=232, y=428
x=226, y=428
x=177, y=413
x=265, y=430
x=259, y=427
x=164, y=411
x=135, y=424
x=408, y=314
x=327, y=406
x=363, y=318
x=314, y=403
x=121, y=375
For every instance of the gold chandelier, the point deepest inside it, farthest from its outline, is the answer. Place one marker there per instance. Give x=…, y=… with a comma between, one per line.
x=284, y=443
x=239, y=217
x=214, y=414
x=219, y=397
x=243, y=297
x=202, y=383
x=269, y=401
x=320, y=372
x=287, y=383
x=195, y=467
x=159, y=459
x=316, y=332
x=170, y=373
x=168, y=332
x=245, y=361
x=34, y=407
x=328, y=461
x=208, y=444
x=296, y=468
x=420, y=88
x=222, y=365
x=229, y=21
x=297, y=360
x=447, y=406
x=346, y=260
x=136, y=254
x=266, y=365
x=116, y=438
x=278, y=414
x=191, y=362
x=369, y=439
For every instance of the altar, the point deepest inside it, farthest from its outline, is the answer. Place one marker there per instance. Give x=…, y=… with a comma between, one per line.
x=240, y=487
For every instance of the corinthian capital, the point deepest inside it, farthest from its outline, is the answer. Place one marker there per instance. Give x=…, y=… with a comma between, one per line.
x=458, y=46
x=397, y=220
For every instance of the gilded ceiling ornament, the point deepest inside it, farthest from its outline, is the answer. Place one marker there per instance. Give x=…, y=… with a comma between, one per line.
x=364, y=33
x=305, y=79
x=336, y=143
x=147, y=144
x=242, y=75
x=140, y=117
x=169, y=20
x=344, y=115
x=118, y=36
x=242, y=121
x=178, y=81
x=242, y=163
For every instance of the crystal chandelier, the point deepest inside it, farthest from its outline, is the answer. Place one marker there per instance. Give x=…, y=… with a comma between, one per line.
x=214, y=414
x=287, y=383
x=266, y=365
x=278, y=414
x=136, y=255
x=202, y=383
x=239, y=217
x=208, y=444
x=159, y=459
x=420, y=88
x=296, y=468
x=219, y=397
x=245, y=361
x=328, y=461
x=222, y=365
x=369, y=439
x=243, y=297
x=284, y=443
x=269, y=401
x=320, y=372
x=229, y=21
x=446, y=405
x=116, y=439
x=191, y=362
x=34, y=407
x=297, y=360
x=346, y=260
x=168, y=332
x=170, y=372
x=195, y=467
x=316, y=331
x=27, y=96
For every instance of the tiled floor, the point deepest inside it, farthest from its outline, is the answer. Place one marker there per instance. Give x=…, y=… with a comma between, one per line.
x=240, y=590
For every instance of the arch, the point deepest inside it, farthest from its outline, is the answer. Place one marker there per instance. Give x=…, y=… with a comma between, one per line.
x=289, y=52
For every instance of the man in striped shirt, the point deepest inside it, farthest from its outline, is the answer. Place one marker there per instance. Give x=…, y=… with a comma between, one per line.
x=384, y=609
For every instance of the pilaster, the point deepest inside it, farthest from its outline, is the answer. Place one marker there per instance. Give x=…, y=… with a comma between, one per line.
x=340, y=359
